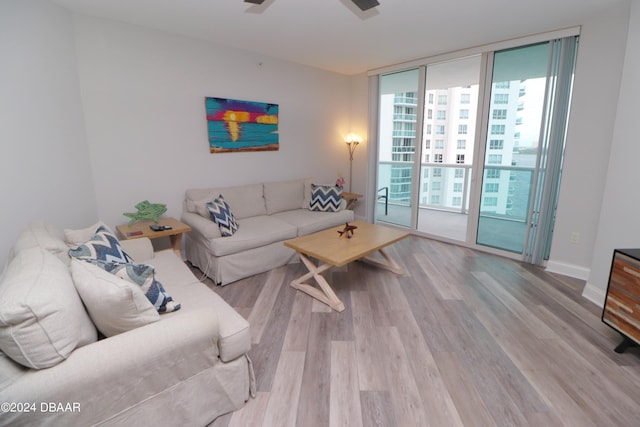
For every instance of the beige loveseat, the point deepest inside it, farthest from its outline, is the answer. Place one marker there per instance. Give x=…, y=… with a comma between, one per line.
x=185, y=368
x=267, y=213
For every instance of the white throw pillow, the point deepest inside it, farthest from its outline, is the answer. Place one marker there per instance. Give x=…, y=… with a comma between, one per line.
x=78, y=237
x=43, y=235
x=42, y=319
x=115, y=305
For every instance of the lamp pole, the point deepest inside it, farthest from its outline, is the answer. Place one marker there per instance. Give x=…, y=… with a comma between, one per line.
x=351, y=146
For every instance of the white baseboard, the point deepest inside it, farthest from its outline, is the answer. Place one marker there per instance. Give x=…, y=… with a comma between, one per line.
x=590, y=292
x=570, y=270
x=594, y=294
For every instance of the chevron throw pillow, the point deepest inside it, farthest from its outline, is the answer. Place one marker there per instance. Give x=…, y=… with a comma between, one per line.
x=325, y=198
x=142, y=275
x=221, y=214
x=103, y=246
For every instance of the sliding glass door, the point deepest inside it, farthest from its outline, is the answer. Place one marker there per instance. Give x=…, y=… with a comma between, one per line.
x=470, y=149
x=397, y=129
x=451, y=101
x=512, y=148
x=527, y=118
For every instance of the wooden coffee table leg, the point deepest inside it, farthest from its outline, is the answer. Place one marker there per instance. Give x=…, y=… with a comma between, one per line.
x=390, y=264
x=325, y=294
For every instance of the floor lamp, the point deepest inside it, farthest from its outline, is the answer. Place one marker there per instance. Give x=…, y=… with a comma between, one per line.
x=352, y=141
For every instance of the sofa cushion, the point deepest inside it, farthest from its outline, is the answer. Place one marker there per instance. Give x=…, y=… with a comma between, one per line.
x=44, y=235
x=103, y=246
x=140, y=249
x=283, y=196
x=308, y=222
x=75, y=237
x=221, y=214
x=234, y=337
x=325, y=198
x=115, y=305
x=142, y=275
x=306, y=201
x=42, y=319
x=252, y=233
x=247, y=200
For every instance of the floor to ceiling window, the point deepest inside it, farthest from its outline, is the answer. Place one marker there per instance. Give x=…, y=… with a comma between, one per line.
x=512, y=148
x=397, y=127
x=470, y=148
x=450, y=105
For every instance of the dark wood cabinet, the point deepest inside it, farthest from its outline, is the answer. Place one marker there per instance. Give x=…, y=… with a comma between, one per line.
x=622, y=303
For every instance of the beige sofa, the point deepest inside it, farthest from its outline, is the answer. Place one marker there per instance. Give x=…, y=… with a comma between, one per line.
x=267, y=213
x=185, y=368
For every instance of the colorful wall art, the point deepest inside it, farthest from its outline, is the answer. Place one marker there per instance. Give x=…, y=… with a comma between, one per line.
x=241, y=125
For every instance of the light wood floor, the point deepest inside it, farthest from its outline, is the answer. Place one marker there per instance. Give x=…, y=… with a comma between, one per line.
x=464, y=339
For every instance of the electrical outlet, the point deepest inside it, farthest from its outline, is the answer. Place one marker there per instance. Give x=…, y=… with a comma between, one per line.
x=575, y=237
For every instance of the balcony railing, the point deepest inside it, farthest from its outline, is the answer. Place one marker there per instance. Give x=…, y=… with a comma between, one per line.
x=405, y=100
x=446, y=187
x=405, y=117
x=404, y=133
x=403, y=149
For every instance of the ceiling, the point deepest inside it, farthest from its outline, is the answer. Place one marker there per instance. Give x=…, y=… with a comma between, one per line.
x=335, y=35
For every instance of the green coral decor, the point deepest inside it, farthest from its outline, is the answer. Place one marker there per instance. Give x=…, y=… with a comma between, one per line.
x=146, y=210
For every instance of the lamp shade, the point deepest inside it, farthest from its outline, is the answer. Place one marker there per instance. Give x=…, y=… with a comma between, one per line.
x=353, y=138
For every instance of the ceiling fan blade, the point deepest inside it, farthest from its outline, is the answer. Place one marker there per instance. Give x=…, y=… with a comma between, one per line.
x=365, y=4
x=362, y=4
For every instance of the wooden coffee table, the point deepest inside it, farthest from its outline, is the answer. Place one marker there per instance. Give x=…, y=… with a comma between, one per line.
x=332, y=250
x=141, y=229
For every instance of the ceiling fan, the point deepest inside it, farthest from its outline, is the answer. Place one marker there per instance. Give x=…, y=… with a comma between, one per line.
x=362, y=4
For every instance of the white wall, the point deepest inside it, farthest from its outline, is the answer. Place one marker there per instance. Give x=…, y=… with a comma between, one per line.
x=143, y=93
x=591, y=122
x=142, y=100
x=619, y=225
x=44, y=161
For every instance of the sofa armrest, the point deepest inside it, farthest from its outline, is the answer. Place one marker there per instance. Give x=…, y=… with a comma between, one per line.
x=201, y=225
x=157, y=356
x=139, y=249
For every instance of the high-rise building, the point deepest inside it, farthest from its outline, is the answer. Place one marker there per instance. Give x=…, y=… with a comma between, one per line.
x=449, y=132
